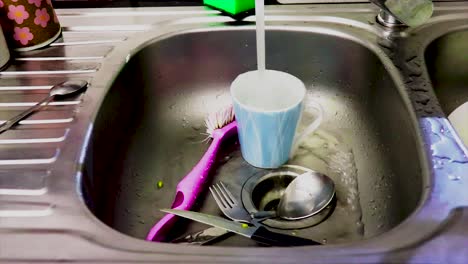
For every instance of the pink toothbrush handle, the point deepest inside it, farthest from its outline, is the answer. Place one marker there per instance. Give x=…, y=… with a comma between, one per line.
x=159, y=231
x=192, y=184
x=187, y=191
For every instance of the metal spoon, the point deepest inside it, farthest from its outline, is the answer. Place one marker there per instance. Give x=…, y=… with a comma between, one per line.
x=59, y=90
x=306, y=195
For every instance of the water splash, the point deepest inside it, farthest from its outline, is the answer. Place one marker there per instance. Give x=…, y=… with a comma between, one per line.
x=454, y=177
x=341, y=167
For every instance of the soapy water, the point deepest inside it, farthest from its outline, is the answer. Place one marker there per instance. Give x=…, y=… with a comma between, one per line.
x=325, y=153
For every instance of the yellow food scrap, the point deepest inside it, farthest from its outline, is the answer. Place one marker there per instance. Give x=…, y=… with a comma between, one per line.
x=160, y=184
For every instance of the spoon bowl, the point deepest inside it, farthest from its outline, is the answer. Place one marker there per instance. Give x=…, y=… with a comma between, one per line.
x=67, y=88
x=59, y=90
x=306, y=195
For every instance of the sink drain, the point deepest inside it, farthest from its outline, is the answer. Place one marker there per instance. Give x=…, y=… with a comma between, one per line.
x=262, y=192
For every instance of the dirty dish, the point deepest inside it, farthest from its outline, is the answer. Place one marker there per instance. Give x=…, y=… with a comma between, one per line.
x=258, y=233
x=306, y=195
x=268, y=106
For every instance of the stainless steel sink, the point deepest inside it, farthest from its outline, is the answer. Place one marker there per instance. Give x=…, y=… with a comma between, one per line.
x=448, y=68
x=367, y=142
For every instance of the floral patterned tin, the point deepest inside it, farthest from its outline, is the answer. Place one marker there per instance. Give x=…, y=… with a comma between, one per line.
x=29, y=24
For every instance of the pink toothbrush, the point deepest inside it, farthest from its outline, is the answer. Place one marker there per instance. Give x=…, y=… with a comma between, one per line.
x=219, y=125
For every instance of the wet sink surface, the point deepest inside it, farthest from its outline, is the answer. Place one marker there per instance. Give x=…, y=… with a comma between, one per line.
x=150, y=128
x=448, y=68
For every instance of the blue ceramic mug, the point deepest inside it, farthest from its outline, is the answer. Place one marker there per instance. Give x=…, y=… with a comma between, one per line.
x=268, y=107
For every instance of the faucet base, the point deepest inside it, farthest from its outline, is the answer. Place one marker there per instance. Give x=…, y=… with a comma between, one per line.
x=387, y=20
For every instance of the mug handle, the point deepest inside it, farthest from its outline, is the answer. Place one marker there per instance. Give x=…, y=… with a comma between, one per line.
x=308, y=130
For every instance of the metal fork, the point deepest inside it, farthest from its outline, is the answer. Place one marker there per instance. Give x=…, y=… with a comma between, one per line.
x=229, y=205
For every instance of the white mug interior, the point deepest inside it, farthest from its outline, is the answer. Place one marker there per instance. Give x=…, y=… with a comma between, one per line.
x=267, y=91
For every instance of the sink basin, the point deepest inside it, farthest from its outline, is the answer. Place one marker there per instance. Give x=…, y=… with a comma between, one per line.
x=448, y=69
x=149, y=129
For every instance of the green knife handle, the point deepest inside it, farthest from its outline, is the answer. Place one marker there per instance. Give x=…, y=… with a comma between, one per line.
x=265, y=236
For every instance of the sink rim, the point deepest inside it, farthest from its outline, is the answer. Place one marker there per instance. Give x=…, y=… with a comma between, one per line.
x=136, y=44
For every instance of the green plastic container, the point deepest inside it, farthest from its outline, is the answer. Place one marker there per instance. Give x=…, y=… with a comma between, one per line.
x=232, y=7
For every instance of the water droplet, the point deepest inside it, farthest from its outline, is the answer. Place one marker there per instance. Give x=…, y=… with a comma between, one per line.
x=141, y=221
x=324, y=241
x=197, y=127
x=448, y=156
x=172, y=106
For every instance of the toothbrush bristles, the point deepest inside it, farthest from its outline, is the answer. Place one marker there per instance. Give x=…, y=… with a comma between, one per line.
x=219, y=119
